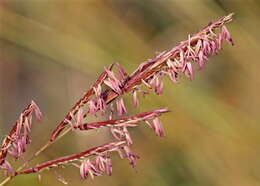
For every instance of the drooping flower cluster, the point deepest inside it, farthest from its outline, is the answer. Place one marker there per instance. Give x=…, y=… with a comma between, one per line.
x=103, y=162
x=119, y=129
x=99, y=164
x=111, y=85
x=15, y=144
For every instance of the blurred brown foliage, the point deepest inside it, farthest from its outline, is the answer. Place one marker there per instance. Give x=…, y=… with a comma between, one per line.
x=52, y=50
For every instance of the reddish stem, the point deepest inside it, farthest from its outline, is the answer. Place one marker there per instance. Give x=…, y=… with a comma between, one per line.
x=70, y=158
x=135, y=118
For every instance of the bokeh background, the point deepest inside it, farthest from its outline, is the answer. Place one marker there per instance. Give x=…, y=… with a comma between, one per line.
x=52, y=50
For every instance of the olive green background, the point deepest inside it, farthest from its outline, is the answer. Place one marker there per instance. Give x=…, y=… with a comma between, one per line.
x=52, y=50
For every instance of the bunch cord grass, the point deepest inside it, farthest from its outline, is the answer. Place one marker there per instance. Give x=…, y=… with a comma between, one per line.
x=106, y=96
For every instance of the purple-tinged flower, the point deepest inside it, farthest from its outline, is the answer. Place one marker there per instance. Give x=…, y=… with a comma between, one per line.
x=101, y=162
x=189, y=71
x=113, y=82
x=37, y=111
x=181, y=56
x=80, y=117
x=104, y=163
x=97, y=90
x=201, y=59
x=123, y=74
x=71, y=121
x=22, y=144
x=117, y=133
x=6, y=166
x=135, y=98
x=172, y=70
x=92, y=107
x=13, y=151
x=114, y=86
x=121, y=109
x=27, y=126
x=17, y=140
x=198, y=47
x=157, y=126
x=110, y=115
x=127, y=136
x=120, y=152
x=112, y=76
x=111, y=111
x=84, y=169
x=19, y=146
x=159, y=87
x=97, y=104
x=109, y=167
x=101, y=104
x=173, y=75
x=157, y=84
x=131, y=156
x=93, y=170
x=88, y=168
x=226, y=35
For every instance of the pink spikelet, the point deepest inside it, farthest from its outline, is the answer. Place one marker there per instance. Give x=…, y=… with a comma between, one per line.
x=135, y=98
x=92, y=107
x=157, y=126
x=15, y=144
x=37, y=111
x=131, y=156
x=87, y=168
x=7, y=168
x=123, y=74
x=113, y=82
x=121, y=109
x=77, y=120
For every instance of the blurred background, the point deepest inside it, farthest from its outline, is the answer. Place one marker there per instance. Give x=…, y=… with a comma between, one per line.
x=51, y=51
